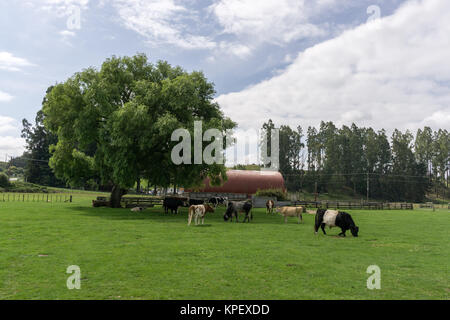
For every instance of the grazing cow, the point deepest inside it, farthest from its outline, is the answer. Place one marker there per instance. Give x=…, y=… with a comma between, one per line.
x=269, y=206
x=234, y=208
x=195, y=202
x=333, y=218
x=291, y=212
x=199, y=212
x=172, y=204
x=137, y=209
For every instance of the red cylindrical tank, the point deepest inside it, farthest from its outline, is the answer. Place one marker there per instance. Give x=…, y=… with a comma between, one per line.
x=246, y=182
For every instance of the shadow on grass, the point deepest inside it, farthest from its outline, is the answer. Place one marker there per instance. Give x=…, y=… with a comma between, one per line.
x=157, y=214
x=127, y=214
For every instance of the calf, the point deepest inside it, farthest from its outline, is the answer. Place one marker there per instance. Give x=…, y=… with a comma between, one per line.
x=234, y=208
x=291, y=212
x=269, y=206
x=137, y=209
x=198, y=212
x=333, y=218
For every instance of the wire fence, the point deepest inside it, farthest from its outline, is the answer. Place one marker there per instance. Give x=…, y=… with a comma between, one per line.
x=328, y=204
x=35, y=197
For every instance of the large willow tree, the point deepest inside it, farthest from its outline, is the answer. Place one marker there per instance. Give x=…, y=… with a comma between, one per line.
x=117, y=122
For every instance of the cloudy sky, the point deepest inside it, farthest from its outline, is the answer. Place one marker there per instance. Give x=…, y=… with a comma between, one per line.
x=379, y=63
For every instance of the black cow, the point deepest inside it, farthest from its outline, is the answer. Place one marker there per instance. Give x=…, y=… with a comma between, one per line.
x=333, y=218
x=234, y=208
x=172, y=204
x=195, y=202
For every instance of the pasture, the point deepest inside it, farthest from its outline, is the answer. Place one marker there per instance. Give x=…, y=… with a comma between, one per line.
x=149, y=255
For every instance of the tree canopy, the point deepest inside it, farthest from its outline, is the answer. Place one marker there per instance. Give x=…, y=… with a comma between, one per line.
x=117, y=123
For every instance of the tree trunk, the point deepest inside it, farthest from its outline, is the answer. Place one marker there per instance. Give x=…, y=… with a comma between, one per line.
x=138, y=185
x=116, y=196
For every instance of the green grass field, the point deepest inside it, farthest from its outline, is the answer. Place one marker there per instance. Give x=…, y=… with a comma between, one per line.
x=125, y=255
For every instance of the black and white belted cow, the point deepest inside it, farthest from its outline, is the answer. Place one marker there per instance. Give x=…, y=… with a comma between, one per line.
x=333, y=218
x=215, y=201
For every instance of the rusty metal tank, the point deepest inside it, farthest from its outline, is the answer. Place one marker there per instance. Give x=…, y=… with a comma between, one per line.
x=246, y=182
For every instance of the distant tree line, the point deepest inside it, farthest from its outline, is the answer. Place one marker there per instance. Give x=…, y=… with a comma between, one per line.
x=363, y=161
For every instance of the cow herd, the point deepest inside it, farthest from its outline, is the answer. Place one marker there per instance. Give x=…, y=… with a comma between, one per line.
x=199, y=208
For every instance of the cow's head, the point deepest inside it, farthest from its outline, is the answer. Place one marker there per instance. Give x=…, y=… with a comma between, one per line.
x=226, y=217
x=354, y=230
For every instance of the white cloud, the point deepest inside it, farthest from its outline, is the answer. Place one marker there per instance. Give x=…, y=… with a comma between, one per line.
x=7, y=124
x=63, y=8
x=162, y=21
x=5, y=97
x=274, y=21
x=9, y=62
x=390, y=73
x=67, y=33
x=11, y=146
x=250, y=24
x=235, y=49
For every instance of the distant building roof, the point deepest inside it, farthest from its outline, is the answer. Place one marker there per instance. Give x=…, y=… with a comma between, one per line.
x=246, y=182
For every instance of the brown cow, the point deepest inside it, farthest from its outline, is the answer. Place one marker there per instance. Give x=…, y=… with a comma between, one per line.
x=269, y=206
x=291, y=212
x=199, y=211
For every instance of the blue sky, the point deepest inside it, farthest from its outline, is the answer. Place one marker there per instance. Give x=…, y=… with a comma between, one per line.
x=261, y=55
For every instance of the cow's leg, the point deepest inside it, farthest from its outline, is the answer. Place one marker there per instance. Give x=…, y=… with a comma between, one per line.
x=189, y=218
x=342, y=234
x=317, y=222
x=285, y=219
x=323, y=228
